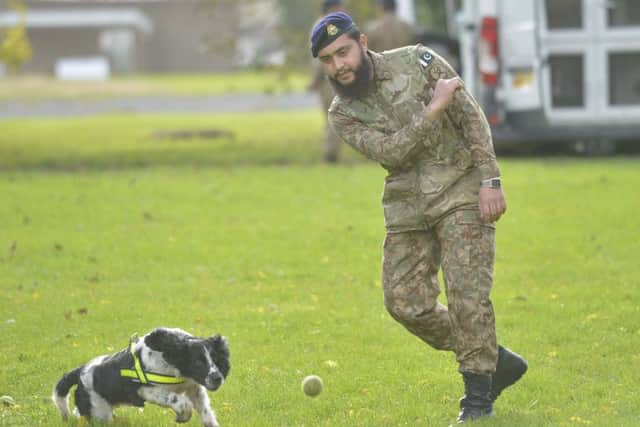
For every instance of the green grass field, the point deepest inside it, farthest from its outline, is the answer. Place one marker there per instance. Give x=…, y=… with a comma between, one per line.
x=39, y=87
x=107, y=230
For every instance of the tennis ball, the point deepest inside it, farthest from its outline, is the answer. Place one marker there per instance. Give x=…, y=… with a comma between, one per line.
x=312, y=385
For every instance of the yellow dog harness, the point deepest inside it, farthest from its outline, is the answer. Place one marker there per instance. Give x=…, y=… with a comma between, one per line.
x=143, y=377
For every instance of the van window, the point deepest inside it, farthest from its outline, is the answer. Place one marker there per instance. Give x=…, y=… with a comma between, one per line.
x=563, y=14
x=624, y=78
x=623, y=13
x=567, y=90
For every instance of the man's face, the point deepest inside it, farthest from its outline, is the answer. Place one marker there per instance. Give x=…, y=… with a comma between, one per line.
x=342, y=58
x=347, y=66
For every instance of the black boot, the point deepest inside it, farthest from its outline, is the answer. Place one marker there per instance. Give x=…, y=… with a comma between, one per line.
x=476, y=402
x=510, y=368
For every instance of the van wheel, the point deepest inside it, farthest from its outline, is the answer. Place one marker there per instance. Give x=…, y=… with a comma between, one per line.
x=595, y=147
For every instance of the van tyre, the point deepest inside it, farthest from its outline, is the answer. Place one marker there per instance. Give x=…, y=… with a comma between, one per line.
x=595, y=147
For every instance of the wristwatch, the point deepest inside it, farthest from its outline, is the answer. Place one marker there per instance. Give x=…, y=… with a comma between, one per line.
x=491, y=183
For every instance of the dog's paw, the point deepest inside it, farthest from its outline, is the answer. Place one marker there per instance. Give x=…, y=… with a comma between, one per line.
x=184, y=411
x=183, y=417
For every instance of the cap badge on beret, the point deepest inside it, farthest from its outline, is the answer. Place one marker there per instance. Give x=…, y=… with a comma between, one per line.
x=332, y=30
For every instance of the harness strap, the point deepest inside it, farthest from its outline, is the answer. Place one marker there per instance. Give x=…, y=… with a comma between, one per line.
x=139, y=375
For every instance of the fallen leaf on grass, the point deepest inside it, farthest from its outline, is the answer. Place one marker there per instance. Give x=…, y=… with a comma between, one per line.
x=579, y=420
x=94, y=279
x=7, y=400
x=12, y=248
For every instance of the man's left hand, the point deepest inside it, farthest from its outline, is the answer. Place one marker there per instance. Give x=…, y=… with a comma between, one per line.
x=492, y=204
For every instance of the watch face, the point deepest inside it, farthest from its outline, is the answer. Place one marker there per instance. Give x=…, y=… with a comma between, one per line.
x=491, y=183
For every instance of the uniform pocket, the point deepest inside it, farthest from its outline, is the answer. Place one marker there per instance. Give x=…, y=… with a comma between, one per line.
x=471, y=217
x=398, y=187
x=429, y=185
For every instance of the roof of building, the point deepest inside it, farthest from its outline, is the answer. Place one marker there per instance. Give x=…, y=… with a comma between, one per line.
x=80, y=18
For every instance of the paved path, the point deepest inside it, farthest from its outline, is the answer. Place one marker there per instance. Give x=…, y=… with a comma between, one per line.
x=159, y=104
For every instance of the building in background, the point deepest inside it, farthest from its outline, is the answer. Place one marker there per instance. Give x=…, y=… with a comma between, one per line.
x=148, y=36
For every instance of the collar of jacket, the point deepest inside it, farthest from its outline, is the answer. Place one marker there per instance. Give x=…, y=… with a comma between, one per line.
x=139, y=375
x=380, y=68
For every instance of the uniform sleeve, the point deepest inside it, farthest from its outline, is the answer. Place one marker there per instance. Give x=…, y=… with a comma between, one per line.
x=392, y=150
x=465, y=113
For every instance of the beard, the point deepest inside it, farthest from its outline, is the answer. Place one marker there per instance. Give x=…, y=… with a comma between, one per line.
x=360, y=85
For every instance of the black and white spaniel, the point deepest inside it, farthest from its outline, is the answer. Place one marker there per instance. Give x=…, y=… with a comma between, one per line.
x=168, y=367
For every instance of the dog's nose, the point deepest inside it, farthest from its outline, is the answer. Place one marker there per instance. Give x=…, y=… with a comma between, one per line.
x=214, y=381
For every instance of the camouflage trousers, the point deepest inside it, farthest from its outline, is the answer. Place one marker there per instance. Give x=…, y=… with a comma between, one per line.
x=464, y=247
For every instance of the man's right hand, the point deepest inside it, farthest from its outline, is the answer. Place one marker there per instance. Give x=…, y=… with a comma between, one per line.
x=442, y=96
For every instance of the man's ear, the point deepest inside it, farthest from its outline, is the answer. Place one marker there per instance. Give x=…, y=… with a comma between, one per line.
x=363, y=41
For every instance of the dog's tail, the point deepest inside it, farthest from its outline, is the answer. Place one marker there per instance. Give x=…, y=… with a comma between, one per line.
x=60, y=394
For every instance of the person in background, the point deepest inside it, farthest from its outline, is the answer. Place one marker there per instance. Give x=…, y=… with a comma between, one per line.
x=408, y=110
x=320, y=84
x=388, y=31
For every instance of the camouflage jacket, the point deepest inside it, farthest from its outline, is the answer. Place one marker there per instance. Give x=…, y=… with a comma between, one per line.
x=433, y=167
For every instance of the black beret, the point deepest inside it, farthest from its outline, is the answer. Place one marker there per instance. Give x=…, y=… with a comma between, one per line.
x=328, y=29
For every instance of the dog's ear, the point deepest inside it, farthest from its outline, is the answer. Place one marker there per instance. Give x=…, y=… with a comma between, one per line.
x=163, y=341
x=219, y=351
x=173, y=346
x=218, y=344
x=216, y=339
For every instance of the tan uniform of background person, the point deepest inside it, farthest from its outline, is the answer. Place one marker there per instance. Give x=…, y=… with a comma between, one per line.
x=389, y=32
x=411, y=114
x=320, y=84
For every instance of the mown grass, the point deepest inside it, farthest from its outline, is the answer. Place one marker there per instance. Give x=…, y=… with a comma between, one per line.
x=127, y=141
x=31, y=88
x=107, y=231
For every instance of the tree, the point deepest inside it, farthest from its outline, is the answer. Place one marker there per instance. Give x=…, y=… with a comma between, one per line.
x=431, y=15
x=296, y=19
x=15, y=48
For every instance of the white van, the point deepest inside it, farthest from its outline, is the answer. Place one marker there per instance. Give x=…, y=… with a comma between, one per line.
x=553, y=70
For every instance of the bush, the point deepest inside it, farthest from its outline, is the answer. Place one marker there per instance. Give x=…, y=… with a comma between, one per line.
x=15, y=48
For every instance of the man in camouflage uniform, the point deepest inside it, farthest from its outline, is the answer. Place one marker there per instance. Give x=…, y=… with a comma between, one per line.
x=389, y=32
x=407, y=110
x=320, y=84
